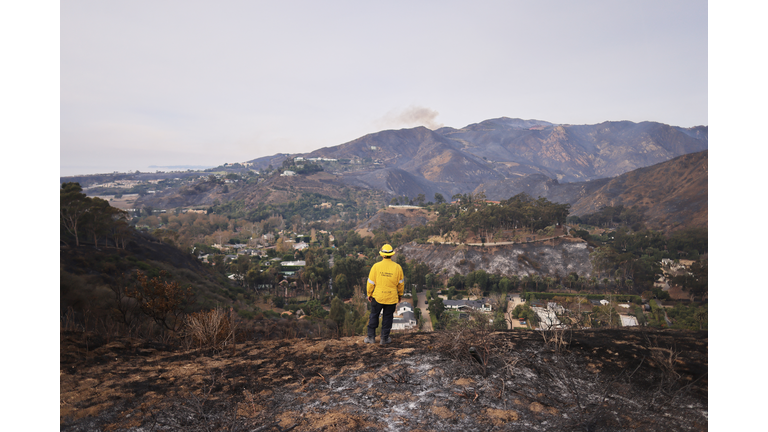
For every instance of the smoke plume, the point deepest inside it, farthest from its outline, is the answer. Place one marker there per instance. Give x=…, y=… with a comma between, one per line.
x=410, y=117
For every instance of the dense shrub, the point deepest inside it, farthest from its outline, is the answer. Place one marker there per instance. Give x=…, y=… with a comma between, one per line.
x=209, y=329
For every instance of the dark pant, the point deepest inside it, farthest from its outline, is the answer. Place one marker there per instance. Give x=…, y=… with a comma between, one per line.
x=386, y=321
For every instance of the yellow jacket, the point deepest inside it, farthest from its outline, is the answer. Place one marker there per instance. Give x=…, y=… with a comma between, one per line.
x=386, y=282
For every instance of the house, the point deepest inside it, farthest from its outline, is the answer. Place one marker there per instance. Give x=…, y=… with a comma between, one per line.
x=483, y=305
x=662, y=283
x=300, y=246
x=403, y=307
x=288, y=173
x=405, y=321
x=556, y=308
x=628, y=321
x=547, y=318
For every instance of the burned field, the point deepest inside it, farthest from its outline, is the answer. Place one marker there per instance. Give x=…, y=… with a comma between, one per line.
x=465, y=380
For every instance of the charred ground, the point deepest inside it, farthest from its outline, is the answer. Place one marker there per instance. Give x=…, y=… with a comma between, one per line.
x=602, y=380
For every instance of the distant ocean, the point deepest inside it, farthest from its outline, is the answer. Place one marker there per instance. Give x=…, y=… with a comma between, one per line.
x=68, y=171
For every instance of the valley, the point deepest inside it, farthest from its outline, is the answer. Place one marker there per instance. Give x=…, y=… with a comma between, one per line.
x=598, y=233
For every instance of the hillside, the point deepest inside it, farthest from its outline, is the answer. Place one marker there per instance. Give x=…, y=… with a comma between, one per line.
x=88, y=274
x=673, y=195
x=500, y=157
x=451, y=161
x=275, y=190
x=539, y=185
x=604, y=380
x=394, y=219
x=560, y=256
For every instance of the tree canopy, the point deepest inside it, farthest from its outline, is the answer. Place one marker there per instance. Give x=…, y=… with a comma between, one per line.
x=82, y=217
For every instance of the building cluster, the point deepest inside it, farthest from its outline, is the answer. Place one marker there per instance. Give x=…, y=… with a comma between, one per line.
x=548, y=314
x=314, y=159
x=670, y=269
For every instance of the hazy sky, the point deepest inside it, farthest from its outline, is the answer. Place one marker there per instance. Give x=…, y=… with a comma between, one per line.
x=202, y=83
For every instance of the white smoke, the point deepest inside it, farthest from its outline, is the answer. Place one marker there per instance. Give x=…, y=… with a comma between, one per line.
x=410, y=117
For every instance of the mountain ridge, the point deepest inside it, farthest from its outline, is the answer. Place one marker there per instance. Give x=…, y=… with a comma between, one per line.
x=499, y=157
x=451, y=161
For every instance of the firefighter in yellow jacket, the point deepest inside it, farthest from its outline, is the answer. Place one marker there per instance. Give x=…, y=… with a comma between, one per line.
x=385, y=289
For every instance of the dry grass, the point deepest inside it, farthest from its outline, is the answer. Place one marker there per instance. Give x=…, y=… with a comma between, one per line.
x=209, y=329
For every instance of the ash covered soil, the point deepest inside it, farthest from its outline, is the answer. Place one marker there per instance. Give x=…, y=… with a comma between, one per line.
x=595, y=380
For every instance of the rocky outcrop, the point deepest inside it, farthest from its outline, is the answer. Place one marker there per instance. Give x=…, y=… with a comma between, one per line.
x=560, y=256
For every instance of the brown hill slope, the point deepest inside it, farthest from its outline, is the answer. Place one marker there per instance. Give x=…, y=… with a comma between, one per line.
x=452, y=161
x=673, y=195
x=578, y=152
x=599, y=381
x=394, y=219
x=274, y=190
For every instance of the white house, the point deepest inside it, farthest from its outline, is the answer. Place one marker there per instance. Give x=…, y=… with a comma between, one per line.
x=628, y=321
x=404, y=319
x=300, y=263
x=483, y=305
x=403, y=307
x=404, y=322
x=288, y=173
x=547, y=318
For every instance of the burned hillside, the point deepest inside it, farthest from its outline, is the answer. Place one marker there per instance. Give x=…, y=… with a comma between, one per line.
x=599, y=380
x=557, y=256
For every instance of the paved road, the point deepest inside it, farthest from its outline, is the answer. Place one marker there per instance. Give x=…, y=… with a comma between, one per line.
x=427, y=326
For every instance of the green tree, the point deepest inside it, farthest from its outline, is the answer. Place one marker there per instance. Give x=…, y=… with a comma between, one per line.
x=338, y=312
x=419, y=273
x=420, y=199
x=436, y=307
x=73, y=206
x=342, y=286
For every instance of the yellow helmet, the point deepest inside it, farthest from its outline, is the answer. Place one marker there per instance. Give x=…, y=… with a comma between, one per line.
x=387, y=251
